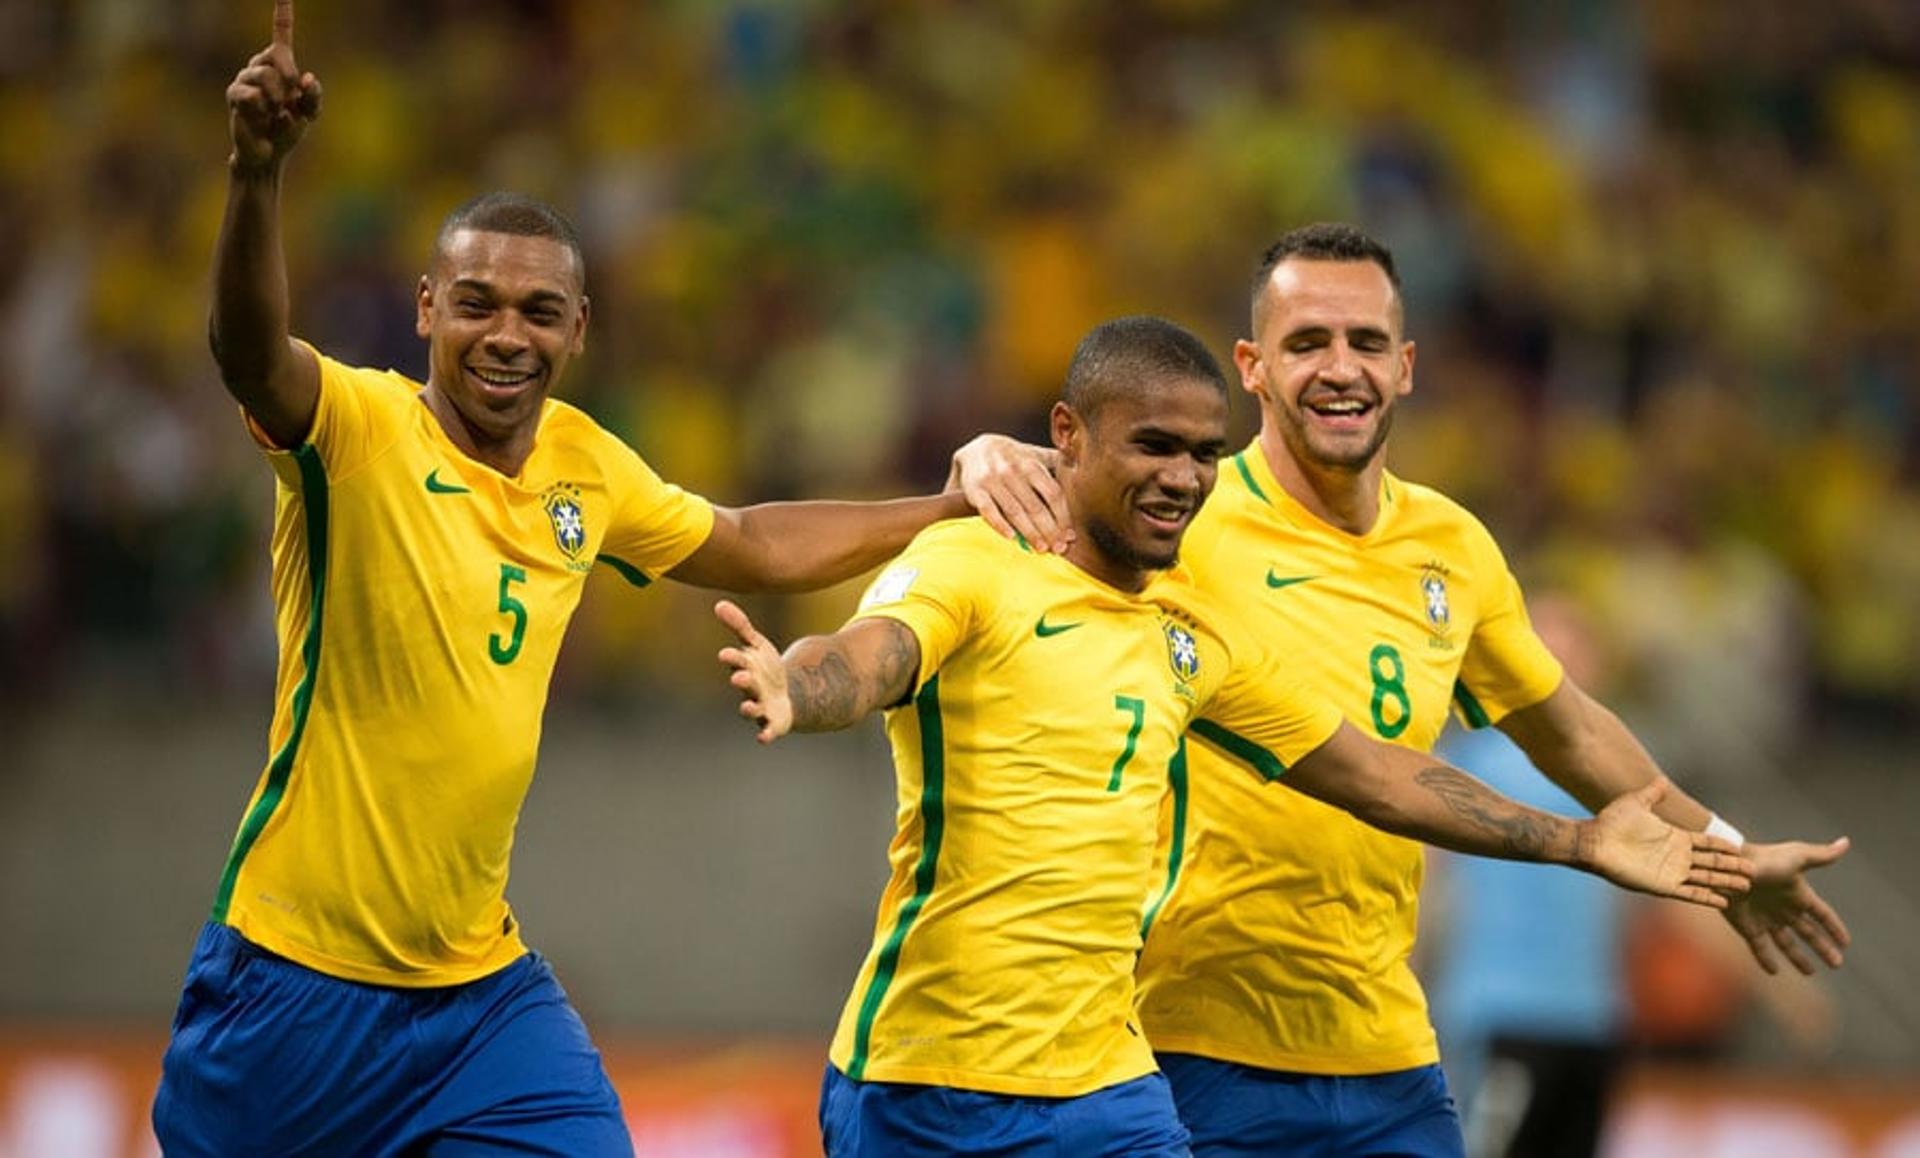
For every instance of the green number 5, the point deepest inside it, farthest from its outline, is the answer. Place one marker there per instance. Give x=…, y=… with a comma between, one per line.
x=1139, y=710
x=505, y=653
x=1389, y=686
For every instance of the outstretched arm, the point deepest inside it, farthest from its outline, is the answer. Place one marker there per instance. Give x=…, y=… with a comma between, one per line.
x=804, y=546
x=1587, y=750
x=1404, y=792
x=270, y=104
x=824, y=682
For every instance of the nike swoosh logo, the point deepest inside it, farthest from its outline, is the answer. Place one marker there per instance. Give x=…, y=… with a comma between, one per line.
x=1287, y=580
x=1043, y=629
x=436, y=487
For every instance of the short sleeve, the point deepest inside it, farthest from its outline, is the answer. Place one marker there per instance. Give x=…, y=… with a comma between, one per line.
x=656, y=524
x=1506, y=667
x=357, y=416
x=1265, y=715
x=938, y=587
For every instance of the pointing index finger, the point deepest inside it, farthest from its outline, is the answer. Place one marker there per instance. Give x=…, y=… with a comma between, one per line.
x=283, y=22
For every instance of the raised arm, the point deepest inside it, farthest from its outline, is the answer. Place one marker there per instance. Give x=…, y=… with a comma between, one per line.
x=1410, y=794
x=824, y=682
x=1583, y=747
x=803, y=546
x=270, y=104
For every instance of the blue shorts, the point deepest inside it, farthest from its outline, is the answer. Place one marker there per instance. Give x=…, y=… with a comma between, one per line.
x=1244, y=1110
x=270, y=1057
x=891, y=1120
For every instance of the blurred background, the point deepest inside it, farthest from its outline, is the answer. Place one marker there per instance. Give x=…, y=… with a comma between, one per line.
x=1661, y=260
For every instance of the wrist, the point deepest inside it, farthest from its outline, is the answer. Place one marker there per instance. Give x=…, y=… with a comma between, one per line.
x=243, y=171
x=1583, y=842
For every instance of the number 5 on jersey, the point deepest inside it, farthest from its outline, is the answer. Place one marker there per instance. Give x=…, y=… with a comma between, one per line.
x=505, y=652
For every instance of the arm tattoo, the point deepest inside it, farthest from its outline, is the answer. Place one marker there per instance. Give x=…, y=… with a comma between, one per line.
x=1522, y=837
x=899, y=663
x=825, y=694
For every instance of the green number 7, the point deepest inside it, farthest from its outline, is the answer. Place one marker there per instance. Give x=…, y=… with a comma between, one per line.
x=1139, y=710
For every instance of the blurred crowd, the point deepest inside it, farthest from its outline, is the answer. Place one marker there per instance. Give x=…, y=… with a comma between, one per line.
x=1661, y=261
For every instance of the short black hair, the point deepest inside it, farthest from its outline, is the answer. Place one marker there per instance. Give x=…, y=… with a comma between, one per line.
x=1125, y=355
x=516, y=214
x=1323, y=241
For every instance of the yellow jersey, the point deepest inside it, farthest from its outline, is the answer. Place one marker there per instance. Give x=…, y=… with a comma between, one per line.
x=1286, y=944
x=1033, y=762
x=420, y=598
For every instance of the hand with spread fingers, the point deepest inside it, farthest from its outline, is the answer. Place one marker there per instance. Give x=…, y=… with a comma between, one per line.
x=1783, y=915
x=271, y=102
x=1635, y=849
x=758, y=674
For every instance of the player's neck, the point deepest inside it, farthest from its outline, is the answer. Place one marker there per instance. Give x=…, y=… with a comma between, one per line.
x=506, y=456
x=1114, y=573
x=1340, y=497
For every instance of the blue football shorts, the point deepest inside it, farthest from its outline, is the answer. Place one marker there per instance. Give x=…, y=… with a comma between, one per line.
x=270, y=1057
x=1236, y=1110
x=893, y=1120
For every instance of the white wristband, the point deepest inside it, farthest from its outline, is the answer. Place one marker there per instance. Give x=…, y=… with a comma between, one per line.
x=1723, y=830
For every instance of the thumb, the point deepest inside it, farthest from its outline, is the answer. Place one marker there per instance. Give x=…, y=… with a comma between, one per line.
x=1820, y=855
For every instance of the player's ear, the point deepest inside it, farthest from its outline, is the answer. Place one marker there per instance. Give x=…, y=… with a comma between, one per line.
x=423, y=307
x=1246, y=356
x=1067, y=429
x=579, y=340
x=1406, y=368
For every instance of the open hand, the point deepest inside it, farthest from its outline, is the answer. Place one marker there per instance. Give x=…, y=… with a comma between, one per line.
x=271, y=102
x=1635, y=849
x=1011, y=484
x=758, y=674
x=1783, y=914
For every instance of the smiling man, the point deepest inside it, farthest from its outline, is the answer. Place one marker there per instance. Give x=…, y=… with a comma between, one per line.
x=1037, y=706
x=361, y=986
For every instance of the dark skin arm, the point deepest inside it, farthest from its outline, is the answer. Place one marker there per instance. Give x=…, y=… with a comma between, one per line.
x=1410, y=794
x=803, y=546
x=1584, y=748
x=270, y=104
x=824, y=682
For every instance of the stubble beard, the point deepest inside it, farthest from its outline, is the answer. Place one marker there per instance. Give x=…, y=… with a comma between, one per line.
x=1111, y=543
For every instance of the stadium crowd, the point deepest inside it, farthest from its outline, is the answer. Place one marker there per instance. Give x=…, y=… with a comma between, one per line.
x=1660, y=259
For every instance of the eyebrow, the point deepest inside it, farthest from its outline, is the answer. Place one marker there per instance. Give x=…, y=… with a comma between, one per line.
x=537, y=297
x=1171, y=436
x=1356, y=331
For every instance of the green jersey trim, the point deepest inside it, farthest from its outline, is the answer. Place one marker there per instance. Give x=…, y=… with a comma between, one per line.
x=313, y=496
x=1470, y=709
x=1240, y=460
x=926, y=706
x=1238, y=747
x=628, y=571
x=1177, y=784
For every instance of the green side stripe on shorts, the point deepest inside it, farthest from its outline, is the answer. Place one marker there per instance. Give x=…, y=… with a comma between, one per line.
x=628, y=571
x=1177, y=784
x=1238, y=747
x=926, y=707
x=1470, y=709
x=313, y=495
x=1240, y=460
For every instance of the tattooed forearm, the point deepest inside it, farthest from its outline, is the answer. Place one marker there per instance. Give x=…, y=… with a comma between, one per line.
x=1521, y=833
x=825, y=693
x=899, y=662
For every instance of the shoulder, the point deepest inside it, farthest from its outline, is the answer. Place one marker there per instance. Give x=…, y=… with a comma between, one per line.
x=1431, y=513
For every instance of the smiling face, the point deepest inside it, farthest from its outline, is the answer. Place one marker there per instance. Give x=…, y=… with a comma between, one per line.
x=1327, y=361
x=1135, y=473
x=502, y=314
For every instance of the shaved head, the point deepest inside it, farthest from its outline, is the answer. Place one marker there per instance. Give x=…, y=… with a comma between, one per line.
x=517, y=215
x=1131, y=356
x=1322, y=241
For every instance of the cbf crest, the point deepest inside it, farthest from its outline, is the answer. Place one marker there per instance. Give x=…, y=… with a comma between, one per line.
x=1182, y=652
x=562, y=503
x=1433, y=592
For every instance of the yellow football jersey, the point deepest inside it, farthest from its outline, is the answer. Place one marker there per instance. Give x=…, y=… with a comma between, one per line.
x=1033, y=761
x=419, y=599
x=1290, y=951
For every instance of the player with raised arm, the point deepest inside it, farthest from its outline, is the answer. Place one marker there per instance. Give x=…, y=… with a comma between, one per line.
x=1037, y=707
x=1276, y=986
x=362, y=986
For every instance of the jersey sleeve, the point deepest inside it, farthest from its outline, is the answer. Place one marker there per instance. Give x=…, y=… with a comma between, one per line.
x=656, y=524
x=1506, y=666
x=1265, y=715
x=938, y=587
x=354, y=419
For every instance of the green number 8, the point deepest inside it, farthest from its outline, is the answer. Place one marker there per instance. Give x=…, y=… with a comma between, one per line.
x=1389, y=685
